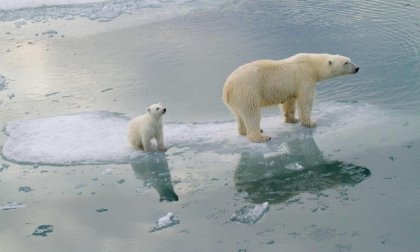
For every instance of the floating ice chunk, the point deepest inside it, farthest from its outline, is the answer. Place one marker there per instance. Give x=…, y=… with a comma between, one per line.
x=250, y=214
x=164, y=222
x=294, y=167
x=12, y=205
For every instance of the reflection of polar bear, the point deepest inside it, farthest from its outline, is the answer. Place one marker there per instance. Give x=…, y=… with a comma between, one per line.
x=142, y=129
x=302, y=169
x=267, y=82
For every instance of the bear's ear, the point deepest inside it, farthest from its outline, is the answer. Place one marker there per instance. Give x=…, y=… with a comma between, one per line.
x=148, y=110
x=330, y=62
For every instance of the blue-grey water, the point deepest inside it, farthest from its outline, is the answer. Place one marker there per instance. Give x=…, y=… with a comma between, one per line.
x=71, y=76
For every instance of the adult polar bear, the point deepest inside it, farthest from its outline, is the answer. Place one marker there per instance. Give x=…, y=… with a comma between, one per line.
x=265, y=83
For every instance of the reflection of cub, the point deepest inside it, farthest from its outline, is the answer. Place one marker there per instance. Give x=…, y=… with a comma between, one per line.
x=142, y=129
x=153, y=170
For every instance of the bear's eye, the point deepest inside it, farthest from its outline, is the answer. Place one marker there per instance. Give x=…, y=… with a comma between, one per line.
x=157, y=108
x=346, y=63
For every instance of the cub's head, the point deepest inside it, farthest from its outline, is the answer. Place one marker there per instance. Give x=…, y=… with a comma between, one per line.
x=341, y=65
x=156, y=110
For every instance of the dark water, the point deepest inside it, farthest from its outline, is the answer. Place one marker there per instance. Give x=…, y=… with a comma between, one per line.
x=351, y=184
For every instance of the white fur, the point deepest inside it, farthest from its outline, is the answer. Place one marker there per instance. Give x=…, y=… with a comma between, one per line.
x=142, y=129
x=289, y=82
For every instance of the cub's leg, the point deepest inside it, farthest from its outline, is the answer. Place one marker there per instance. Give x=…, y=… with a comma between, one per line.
x=147, y=145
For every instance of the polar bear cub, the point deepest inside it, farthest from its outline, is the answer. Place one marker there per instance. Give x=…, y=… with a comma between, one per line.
x=142, y=129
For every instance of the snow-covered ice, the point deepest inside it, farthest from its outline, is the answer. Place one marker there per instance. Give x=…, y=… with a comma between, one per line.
x=250, y=214
x=164, y=222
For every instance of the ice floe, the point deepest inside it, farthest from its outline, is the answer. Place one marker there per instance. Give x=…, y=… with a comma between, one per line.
x=100, y=137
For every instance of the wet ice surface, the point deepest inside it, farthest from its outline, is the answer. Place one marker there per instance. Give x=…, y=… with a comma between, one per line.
x=101, y=137
x=250, y=214
x=166, y=221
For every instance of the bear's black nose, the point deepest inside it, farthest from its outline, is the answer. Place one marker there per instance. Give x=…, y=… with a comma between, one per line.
x=164, y=110
x=356, y=69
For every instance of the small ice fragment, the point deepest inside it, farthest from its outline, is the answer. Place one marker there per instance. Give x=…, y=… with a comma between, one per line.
x=250, y=214
x=12, y=205
x=271, y=163
x=43, y=230
x=294, y=167
x=164, y=222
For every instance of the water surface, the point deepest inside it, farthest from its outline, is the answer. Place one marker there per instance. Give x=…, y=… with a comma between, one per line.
x=71, y=76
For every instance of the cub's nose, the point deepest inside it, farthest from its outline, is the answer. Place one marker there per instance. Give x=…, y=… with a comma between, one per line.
x=164, y=110
x=356, y=70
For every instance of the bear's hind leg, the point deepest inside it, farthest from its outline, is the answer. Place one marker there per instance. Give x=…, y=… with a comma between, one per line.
x=252, y=123
x=241, y=125
x=289, y=110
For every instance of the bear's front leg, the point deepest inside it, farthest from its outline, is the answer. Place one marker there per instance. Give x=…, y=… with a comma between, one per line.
x=305, y=102
x=161, y=147
x=159, y=139
x=147, y=145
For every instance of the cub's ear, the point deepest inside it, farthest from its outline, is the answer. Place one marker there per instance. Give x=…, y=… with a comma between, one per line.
x=330, y=62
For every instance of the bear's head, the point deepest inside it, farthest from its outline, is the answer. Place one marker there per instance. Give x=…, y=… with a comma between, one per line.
x=341, y=65
x=156, y=110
